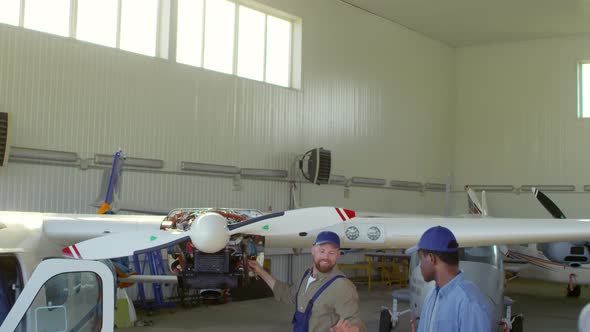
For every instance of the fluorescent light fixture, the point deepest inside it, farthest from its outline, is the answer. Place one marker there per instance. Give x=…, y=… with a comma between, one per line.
x=209, y=168
x=435, y=186
x=105, y=159
x=265, y=173
x=337, y=179
x=406, y=185
x=566, y=187
x=367, y=181
x=491, y=187
x=37, y=154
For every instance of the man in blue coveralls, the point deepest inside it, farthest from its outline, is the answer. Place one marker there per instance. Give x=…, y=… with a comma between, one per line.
x=324, y=299
x=455, y=304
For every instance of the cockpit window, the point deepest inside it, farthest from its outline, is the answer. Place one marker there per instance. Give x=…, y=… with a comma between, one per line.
x=487, y=255
x=67, y=302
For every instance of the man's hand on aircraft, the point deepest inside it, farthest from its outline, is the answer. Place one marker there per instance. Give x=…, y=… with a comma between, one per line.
x=256, y=268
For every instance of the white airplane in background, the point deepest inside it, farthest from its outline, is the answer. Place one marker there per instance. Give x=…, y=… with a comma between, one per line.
x=29, y=238
x=560, y=262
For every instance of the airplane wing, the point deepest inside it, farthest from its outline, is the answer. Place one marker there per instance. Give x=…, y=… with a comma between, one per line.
x=405, y=232
x=66, y=229
x=298, y=228
x=209, y=233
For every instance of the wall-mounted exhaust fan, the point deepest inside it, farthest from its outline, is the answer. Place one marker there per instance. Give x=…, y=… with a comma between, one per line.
x=315, y=165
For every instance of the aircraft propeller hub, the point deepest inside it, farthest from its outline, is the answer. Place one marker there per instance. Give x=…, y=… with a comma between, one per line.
x=209, y=233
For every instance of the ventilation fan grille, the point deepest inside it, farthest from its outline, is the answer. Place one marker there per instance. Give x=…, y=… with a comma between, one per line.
x=4, y=127
x=319, y=166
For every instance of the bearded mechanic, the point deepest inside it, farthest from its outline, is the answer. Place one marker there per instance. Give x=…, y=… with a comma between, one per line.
x=324, y=299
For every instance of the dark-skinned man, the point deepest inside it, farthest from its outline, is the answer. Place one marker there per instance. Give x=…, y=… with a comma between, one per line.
x=454, y=304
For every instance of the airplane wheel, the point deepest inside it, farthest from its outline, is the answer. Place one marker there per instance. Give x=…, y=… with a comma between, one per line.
x=385, y=321
x=575, y=292
x=518, y=324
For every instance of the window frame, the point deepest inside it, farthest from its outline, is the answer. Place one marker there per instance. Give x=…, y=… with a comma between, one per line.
x=294, y=70
x=166, y=35
x=580, y=89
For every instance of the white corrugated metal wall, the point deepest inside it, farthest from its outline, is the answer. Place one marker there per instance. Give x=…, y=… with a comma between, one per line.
x=381, y=104
x=516, y=123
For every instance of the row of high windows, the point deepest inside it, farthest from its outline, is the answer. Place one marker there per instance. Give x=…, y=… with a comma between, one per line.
x=230, y=36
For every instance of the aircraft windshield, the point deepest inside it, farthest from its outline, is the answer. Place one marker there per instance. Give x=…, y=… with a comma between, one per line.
x=487, y=255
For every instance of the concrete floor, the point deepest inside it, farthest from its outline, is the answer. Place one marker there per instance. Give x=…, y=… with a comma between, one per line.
x=544, y=305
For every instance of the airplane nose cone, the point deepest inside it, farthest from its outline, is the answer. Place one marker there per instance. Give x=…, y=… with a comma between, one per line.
x=209, y=233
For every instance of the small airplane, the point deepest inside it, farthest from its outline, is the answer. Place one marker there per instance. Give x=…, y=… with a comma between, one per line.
x=29, y=238
x=485, y=266
x=482, y=265
x=560, y=262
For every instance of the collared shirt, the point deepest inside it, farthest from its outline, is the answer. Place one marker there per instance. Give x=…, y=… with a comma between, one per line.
x=339, y=300
x=457, y=306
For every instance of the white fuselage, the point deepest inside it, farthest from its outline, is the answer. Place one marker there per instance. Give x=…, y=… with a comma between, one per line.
x=539, y=267
x=32, y=237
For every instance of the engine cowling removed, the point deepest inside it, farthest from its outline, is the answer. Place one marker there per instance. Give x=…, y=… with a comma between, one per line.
x=226, y=268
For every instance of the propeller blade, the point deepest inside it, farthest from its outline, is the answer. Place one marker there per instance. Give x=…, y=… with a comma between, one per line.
x=123, y=244
x=293, y=221
x=549, y=205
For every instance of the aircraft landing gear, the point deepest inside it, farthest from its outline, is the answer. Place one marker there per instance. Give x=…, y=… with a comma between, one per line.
x=573, y=291
x=517, y=323
x=385, y=324
x=389, y=318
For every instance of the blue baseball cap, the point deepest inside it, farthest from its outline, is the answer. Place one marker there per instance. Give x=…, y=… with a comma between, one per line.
x=436, y=238
x=327, y=237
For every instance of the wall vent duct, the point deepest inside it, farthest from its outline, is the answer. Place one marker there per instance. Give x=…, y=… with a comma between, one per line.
x=491, y=187
x=105, y=159
x=435, y=187
x=38, y=154
x=264, y=173
x=551, y=187
x=406, y=185
x=367, y=181
x=209, y=168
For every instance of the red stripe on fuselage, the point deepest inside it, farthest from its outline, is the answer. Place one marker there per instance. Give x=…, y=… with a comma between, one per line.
x=340, y=214
x=77, y=252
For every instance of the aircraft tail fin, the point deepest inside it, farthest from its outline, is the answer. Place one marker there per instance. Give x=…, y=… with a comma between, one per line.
x=484, y=203
x=111, y=184
x=474, y=205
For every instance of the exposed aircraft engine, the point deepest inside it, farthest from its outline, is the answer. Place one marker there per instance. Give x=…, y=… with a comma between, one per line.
x=208, y=266
x=569, y=253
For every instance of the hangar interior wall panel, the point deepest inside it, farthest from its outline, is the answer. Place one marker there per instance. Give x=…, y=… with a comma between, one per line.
x=516, y=122
x=381, y=105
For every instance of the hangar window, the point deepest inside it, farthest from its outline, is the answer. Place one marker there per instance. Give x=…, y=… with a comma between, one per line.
x=238, y=37
x=9, y=11
x=584, y=89
x=97, y=21
x=139, y=20
x=241, y=38
x=57, y=22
